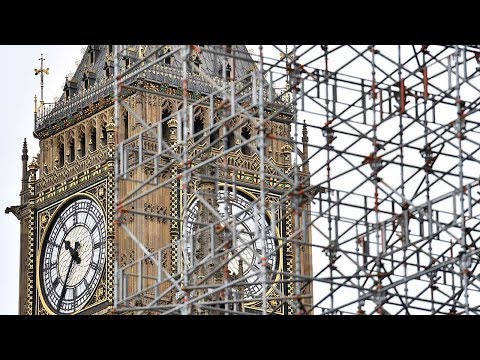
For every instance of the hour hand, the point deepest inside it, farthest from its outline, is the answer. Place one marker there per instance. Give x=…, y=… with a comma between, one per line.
x=75, y=252
x=69, y=248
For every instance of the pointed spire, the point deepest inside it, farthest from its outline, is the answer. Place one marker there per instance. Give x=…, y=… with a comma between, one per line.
x=25, y=149
x=304, y=132
x=24, y=192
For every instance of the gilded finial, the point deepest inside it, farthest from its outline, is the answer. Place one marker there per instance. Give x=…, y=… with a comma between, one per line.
x=286, y=149
x=33, y=164
x=172, y=122
x=33, y=168
x=42, y=72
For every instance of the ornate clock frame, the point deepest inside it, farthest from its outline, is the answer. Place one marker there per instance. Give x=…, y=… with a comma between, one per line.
x=102, y=299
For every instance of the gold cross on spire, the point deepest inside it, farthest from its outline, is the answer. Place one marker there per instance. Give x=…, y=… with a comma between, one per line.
x=41, y=71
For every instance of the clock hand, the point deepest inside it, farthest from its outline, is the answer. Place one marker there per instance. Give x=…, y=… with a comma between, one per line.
x=64, y=289
x=70, y=249
x=74, y=254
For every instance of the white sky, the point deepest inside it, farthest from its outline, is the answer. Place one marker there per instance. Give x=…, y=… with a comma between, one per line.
x=16, y=103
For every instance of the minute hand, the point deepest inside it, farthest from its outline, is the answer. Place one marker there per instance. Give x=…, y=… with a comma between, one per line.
x=64, y=290
x=74, y=254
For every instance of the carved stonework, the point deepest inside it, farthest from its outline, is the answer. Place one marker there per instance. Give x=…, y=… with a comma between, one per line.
x=148, y=170
x=72, y=169
x=101, y=192
x=44, y=219
x=127, y=257
x=164, y=260
x=99, y=296
x=42, y=310
x=27, y=306
x=158, y=212
x=149, y=261
x=110, y=210
x=289, y=256
x=127, y=216
x=194, y=184
x=30, y=271
x=174, y=212
x=123, y=260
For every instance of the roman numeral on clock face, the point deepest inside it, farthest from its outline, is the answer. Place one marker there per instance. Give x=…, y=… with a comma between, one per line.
x=52, y=243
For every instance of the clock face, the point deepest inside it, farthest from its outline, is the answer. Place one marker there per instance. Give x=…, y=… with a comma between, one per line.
x=249, y=250
x=73, y=256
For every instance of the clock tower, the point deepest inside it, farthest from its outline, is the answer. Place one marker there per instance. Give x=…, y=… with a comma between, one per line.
x=72, y=240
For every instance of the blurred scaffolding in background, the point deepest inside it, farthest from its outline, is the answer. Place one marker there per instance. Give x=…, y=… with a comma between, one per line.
x=363, y=161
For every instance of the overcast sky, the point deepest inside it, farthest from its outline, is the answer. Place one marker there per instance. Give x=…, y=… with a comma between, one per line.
x=16, y=102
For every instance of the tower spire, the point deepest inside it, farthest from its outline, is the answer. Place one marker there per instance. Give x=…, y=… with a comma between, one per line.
x=41, y=71
x=24, y=192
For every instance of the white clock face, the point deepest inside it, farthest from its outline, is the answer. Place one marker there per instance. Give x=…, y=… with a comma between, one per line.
x=73, y=256
x=250, y=249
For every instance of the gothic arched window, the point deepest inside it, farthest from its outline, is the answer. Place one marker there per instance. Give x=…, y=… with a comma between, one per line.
x=103, y=136
x=165, y=131
x=245, y=147
x=215, y=134
x=82, y=146
x=93, y=139
x=230, y=140
x=108, y=69
x=168, y=59
x=125, y=124
x=198, y=125
x=71, y=150
x=61, y=155
x=228, y=71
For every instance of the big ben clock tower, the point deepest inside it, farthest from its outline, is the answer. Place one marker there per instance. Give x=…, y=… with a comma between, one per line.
x=71, y=241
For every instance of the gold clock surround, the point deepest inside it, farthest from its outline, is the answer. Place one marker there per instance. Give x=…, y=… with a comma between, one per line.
x=59, y=208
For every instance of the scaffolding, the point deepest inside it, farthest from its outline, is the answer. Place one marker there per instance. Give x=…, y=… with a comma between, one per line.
x=373, y=181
